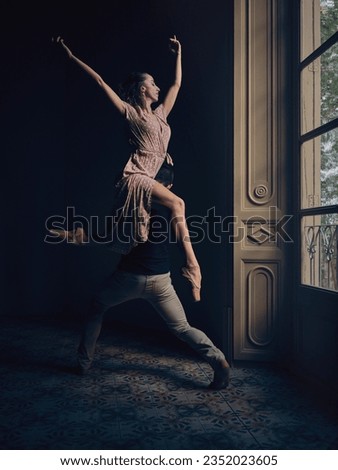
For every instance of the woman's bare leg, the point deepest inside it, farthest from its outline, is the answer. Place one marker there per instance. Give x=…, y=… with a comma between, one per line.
x=176, y=205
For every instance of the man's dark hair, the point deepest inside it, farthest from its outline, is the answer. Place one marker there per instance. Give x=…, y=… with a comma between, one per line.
x=165, y=174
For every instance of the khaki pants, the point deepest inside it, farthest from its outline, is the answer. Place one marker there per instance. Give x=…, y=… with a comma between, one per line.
x=160, y=293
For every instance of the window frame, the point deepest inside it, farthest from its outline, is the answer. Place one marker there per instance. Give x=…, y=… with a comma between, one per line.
x=300, y=139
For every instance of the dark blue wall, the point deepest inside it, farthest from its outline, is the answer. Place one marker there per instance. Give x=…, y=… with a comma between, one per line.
x=64, y=143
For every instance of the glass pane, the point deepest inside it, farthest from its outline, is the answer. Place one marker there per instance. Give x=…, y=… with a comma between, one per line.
x=319, y=171
x=319, y=251
x=319, y=21
x=329, y=84
x=319, y=90
x=328, y=18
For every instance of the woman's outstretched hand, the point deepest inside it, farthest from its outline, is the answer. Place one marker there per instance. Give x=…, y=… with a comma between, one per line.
x=59, y=40
x=175, y=45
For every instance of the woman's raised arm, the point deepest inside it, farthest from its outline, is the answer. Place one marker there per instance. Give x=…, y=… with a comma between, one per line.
x=171, y=96
x=114, y=98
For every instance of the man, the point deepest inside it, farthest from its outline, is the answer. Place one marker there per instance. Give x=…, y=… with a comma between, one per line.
x=144, y=273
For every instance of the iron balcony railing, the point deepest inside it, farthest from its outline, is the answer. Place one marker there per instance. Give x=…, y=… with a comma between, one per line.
x=321, y=246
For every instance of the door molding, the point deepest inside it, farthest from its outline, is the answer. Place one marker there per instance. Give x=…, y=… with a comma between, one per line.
x=259, y=177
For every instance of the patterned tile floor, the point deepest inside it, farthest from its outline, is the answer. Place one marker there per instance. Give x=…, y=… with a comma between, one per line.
x=145, y=391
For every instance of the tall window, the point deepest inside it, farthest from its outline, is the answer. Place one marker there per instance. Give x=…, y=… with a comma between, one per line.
x=319, y=142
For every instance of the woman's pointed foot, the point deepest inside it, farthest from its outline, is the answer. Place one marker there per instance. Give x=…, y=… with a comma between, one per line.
x=77, y=237
x=193, y=274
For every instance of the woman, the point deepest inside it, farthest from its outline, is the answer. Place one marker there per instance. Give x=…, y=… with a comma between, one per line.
x=150, y=134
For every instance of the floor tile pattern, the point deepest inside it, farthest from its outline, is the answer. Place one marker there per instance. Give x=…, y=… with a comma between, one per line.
x=145, y=391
